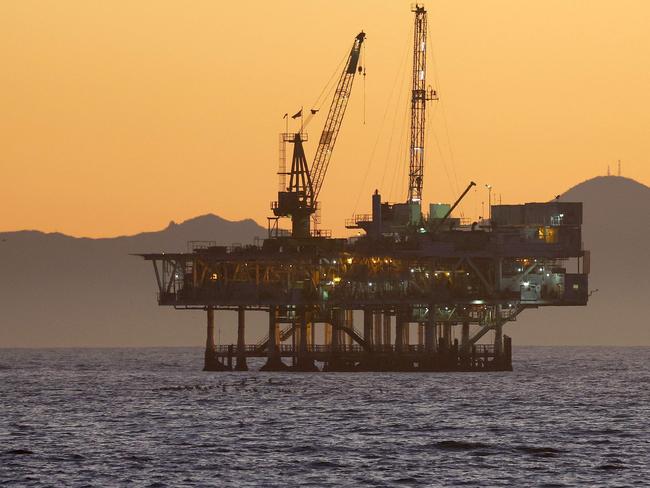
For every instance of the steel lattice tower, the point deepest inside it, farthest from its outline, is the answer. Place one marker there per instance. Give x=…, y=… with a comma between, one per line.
x=419, y=97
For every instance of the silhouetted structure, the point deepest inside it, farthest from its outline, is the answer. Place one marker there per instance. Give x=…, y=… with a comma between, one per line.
x=452, y=282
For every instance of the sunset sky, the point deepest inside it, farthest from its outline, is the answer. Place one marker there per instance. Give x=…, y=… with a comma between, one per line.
x=119, y=116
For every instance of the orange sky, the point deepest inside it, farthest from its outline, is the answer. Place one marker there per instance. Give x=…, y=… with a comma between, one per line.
x=118, y=116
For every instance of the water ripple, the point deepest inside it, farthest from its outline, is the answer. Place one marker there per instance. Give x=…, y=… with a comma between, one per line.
x=150, y=417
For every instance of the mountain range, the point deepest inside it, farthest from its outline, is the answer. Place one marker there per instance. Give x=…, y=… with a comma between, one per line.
x=58, y=290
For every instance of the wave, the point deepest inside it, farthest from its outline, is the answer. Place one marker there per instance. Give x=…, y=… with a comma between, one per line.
x=18, y=452
x=460, y=445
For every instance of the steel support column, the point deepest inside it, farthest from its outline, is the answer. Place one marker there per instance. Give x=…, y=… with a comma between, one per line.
x=399, y=331
x=430, y=339
x=446, y=334
x=305, y=363
x=211, y=363
x=377, y=317
x=241, y=340
x=367, y=327
x=273, y=361
x=464, y=340
x=387, y=332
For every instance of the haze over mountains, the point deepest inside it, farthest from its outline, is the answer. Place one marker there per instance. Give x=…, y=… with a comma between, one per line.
x=58, y=290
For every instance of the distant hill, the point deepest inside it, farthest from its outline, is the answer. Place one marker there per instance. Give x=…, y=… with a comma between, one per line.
x=57, y=290
x=617, y=232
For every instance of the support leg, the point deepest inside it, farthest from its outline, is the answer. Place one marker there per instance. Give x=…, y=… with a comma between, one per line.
x=464, y=342
x=305, y=363
x=349, y=322
x=377, y=329
x=367, y=327
x=210, y=362
x=387, y=325
x=368, y=361
x=498, y=339
x=430, y=341
x=399, y=333
x=446, y=334
x=241, y=340
x=337, y=360
x=273, y=361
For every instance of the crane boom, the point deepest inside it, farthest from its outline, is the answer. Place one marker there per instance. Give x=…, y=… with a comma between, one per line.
x=335, y=118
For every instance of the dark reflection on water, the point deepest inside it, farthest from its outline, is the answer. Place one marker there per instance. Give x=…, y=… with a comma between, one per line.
x=150, y=417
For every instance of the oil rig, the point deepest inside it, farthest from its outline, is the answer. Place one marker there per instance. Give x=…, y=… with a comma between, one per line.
x=434, y=293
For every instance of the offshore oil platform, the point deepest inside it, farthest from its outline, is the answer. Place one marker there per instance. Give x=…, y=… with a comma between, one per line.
x=448, y=282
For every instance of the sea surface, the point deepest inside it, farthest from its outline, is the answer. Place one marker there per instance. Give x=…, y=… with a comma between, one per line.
x=151, y=417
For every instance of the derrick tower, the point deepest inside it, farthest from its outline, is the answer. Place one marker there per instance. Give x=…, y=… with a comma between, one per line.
x=420, y=94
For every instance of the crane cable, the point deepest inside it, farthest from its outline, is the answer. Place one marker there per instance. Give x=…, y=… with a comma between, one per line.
x=363, y=65
x=402, y=71
x=327, y=90
x=379, y=135
x=444, y=113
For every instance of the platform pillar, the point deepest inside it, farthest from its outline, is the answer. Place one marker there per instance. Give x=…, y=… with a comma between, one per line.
x=210, y=362
x=335, y=361
x=328, y=334
x=464, y=336
x=498, y=340
x=430, y=339
x=241, y=340
x=507, y=353
x=305, y=363
x=336, y=335
x=400, y=323
x=349, y=322
x=367, y=327
x=273, y=361
x=377, y=318
x=446, y=334
x=387, y=335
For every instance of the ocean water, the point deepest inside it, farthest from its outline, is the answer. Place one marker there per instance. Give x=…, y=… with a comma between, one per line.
x=150, y=417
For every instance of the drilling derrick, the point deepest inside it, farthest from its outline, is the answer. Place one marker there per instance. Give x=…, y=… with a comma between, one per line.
x=419, y=96
x=299, y=199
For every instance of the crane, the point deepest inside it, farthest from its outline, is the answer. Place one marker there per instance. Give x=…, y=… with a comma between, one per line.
x=299, y=199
